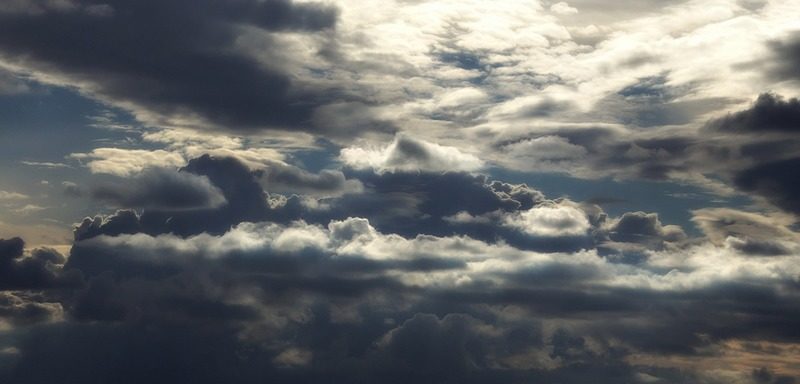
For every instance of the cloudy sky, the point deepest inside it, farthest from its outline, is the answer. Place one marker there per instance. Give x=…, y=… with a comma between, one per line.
x=400, y=191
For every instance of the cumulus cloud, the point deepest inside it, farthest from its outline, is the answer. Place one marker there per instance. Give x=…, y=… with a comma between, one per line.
x=562, y=8
x=551, y=220
x=643, y=227
x=488, y=309
x=35, y=271
x=409, y=154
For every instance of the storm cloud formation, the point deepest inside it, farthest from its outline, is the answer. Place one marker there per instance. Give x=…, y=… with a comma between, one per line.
x=391, y=191
x=489, y=282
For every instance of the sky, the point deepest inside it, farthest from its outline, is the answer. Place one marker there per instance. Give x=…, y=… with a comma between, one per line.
x=400, y=191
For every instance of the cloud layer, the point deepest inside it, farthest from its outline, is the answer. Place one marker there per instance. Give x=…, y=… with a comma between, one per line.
x=428, y=191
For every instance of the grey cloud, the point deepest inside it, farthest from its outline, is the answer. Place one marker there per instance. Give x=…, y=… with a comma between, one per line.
x=181, y=65
x=25, y=309
x=123, y=221
x=72, y=189
x=38, y=271
x=776, y=181
x=641, y=227
x=628, y=238
x=287, y=179
x=765, y=375
x=652, y=102
x=759, y=247
x=786, y=57
x=747, y=232
x=162, y=189
x=770, y=112
x=259, y=291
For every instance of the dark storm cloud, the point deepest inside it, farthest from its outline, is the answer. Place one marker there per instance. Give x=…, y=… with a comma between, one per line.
x=246, y=200
x=163, y=189
x=778, y=182
x=409, y=204
x=122, y=221
x=204, y=180
x=171, y=59
x=770, y=112
x=38, y=271
x=351, y=301
x=267, y=312
x=26, y=309
x=419, y=203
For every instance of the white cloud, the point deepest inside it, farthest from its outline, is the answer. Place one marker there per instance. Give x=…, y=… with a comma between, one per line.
x=676, y=269
x=550, y=220
x=27, y=209
x=126, y=162
x=6, y=195
x=408, y=154
x=562, y=8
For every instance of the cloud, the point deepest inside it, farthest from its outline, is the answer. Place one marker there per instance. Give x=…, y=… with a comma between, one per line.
x=211, y=181
x=282, y=178
x=45, y=164
x=126, y=162
x=27, y=209
x=774, y=181
x=748, y=232
x=122, y=221
x=196, y=72
x=641, y=227
x=37, y=271
x=396, y=262
x=770, y=112
x=543, y=154
x=408, y=154
x=562, y=8
x=21, y=310
x=786, y=54
x=163, y=189
x=11, y=85
x=6, y=195
x=551, y=221
x=72, y=189
x=410, y=308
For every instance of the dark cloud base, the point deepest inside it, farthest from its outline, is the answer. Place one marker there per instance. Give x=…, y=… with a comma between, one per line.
x=244, y=293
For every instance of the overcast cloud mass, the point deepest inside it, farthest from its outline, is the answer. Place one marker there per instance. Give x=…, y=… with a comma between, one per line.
x=394, y=191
